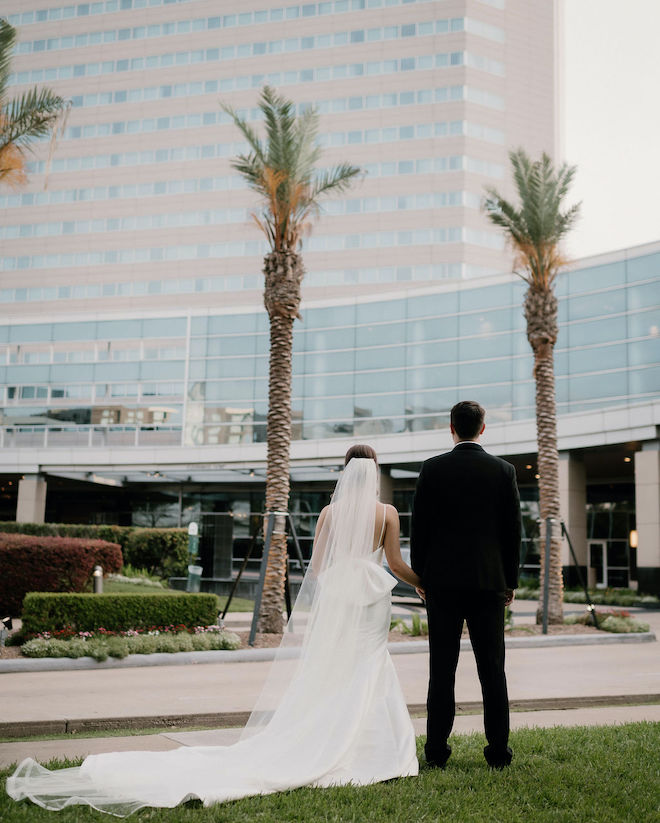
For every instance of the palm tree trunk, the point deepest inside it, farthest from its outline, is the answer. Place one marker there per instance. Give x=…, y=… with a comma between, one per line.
x=283, y=271
x=541, y=315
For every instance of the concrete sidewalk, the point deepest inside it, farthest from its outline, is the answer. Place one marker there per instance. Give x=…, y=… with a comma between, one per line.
x=558, y=672
x=45, y=750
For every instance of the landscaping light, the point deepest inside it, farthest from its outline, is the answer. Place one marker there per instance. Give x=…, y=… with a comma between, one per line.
x=633, y=539
x=97, y=576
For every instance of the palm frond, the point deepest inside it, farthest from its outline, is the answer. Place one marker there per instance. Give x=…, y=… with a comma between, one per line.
x=247, y=131
x=281, y=168
x=337, y=179
x=32, y=115
x=7, y=43
x=535, y=227
x=12, y=167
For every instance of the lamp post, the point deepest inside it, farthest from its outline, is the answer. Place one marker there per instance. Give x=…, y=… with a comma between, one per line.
x=194, y=571
x=97, y=576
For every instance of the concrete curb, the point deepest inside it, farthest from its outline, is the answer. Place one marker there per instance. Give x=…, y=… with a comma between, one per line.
x=233, y=720
x=51, y=664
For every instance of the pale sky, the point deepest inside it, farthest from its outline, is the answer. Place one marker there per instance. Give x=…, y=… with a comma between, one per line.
x=611, y=121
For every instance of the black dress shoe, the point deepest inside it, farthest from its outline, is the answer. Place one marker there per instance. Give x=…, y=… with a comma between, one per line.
x=498, y=759
x=438, y=760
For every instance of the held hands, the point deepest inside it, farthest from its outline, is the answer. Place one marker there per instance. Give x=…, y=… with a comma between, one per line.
x=421, y=593
x=509, y=594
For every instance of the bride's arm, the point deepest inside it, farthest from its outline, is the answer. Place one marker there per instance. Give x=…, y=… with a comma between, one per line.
x=396, y=563
x=320, y=538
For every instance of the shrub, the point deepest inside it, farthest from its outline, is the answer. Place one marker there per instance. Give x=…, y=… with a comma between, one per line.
x=115, y=612
x=164, y=551
x=417, y=628
x=111, y=533
x=49, y=564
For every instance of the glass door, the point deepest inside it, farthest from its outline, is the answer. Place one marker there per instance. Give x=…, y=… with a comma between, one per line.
x=598, y=561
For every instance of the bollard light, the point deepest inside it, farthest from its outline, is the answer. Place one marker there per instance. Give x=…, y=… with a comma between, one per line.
x=5, y=626
x=193, y=540
x=194, y=571
x=97, y=576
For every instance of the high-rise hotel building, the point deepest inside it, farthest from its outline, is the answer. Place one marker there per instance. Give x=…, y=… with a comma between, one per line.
x=134, y=343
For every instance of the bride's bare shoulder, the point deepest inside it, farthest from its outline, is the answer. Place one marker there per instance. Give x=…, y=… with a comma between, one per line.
x=389, y=510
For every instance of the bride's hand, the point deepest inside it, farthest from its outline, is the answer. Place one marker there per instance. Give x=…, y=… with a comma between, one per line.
x=420, y=591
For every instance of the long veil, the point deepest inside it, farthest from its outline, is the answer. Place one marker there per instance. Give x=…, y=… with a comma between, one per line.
x=321, y=643
x=315, y=714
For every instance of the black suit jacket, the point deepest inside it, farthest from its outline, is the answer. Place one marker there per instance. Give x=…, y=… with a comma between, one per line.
x=466, y=523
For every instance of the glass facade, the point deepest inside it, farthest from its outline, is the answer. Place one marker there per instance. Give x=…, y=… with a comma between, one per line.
x=362, y=367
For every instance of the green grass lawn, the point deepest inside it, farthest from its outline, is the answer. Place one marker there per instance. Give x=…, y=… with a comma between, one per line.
x=580, y=775
x=238, y=604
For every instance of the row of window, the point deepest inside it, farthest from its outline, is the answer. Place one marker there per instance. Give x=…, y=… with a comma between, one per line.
x=215, y=251
x=384, y=392
x=84, y=10
x=191, y=185
x=100, y=391
x=358, y=205
x=338, y=138
x=332, y=106
x=407, y=364
x=143, y=350
x=289, y=44
x=247, y=18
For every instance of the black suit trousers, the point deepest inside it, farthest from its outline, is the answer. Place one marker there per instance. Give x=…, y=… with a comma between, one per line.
x=484, y=613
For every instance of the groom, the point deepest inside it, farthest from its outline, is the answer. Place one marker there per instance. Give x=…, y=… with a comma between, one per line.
x=465, y=545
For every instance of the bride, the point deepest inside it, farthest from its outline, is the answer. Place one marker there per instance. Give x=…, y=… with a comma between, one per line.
x=331, y=711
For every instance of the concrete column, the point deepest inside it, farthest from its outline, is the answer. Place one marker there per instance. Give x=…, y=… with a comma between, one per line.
x=647, y=507
x=573, y=507
x=386, y=486
x=31, y=506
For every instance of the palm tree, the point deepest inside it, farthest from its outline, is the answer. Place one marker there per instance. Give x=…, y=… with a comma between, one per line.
x=281, y=169
x=534, y=230
x=23, y=119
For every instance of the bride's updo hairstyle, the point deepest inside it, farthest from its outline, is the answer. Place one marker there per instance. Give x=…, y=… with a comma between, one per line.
x=360, y=451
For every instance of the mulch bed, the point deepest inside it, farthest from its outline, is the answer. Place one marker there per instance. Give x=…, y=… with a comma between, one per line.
x=269, y=641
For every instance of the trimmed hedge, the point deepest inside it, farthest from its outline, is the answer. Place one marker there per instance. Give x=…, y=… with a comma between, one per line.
x=49, y=564
x=160, y=551
x=115, y=612
x=113, y=534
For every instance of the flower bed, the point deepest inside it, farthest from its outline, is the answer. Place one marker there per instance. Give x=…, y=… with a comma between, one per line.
x=102, y=644
x=612, y=620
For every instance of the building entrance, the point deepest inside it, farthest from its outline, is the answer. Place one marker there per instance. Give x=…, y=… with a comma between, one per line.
x=608, y=564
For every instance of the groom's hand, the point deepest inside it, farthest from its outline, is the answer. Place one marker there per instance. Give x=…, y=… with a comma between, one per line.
x=509, y=594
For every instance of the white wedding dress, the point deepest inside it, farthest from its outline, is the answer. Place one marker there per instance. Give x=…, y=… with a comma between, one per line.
x=332, y=711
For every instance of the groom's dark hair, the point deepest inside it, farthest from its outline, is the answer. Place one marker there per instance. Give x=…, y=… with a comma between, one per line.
x=467, y=418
